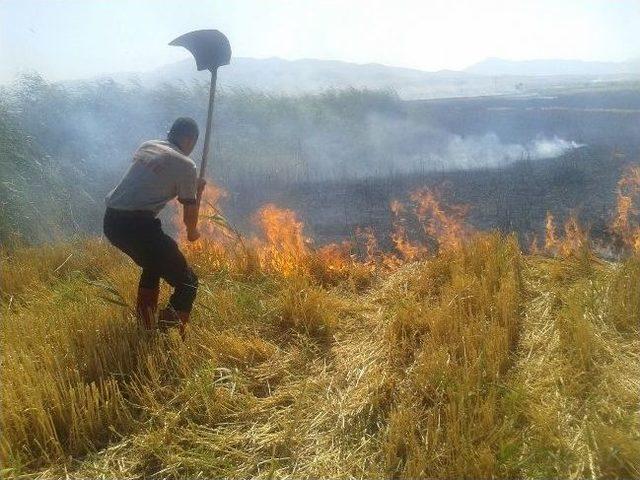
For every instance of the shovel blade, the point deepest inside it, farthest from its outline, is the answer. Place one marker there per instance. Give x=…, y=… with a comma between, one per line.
x=210, y=48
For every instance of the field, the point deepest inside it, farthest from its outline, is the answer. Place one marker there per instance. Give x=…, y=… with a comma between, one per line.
x=457, y=357
x=404, y=290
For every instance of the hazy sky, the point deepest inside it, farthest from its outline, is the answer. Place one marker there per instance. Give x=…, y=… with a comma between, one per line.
x=80, y=38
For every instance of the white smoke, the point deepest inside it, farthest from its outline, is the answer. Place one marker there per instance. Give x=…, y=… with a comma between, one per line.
x=550, y=148
x=422, y=147
x=489, y=151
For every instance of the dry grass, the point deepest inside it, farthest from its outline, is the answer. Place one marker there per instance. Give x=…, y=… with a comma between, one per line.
x=578, y=378
x=451, y=341
x=475, y=363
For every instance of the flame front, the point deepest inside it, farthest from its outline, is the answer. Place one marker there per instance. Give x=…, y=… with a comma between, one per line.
x=408, y=250
x=210, y=230
x=575, y=237
x=283, y=248
x=626, y=223
x=445, y=224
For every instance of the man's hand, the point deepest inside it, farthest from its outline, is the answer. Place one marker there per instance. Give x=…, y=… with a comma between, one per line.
x=193, y=234
x=190, y=217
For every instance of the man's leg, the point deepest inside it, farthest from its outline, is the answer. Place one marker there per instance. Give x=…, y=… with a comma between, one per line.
x=147, y=299
x=133, y=237
x=176, y=272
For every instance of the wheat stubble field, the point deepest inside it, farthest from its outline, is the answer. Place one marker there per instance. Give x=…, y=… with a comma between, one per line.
x=467, y=359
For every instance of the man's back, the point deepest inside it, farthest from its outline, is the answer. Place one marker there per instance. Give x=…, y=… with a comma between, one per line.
x=159, y=173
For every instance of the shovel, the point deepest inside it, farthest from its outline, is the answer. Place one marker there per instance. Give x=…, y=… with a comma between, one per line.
x=211, y=49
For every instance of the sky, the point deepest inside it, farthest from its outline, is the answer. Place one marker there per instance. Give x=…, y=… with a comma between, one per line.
x=68, y=39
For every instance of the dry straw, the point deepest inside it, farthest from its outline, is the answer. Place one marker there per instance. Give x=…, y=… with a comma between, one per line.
x=473, y=362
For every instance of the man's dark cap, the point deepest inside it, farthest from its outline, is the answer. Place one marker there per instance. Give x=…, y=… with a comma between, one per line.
x=183, y=127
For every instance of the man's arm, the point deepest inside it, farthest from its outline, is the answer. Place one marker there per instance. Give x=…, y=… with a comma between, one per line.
x=189, y=191
x=190, y=213
x=190, y=218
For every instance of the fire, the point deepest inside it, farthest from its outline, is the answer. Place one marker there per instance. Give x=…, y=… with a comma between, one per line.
x=210, y=223
x=442, y=224
x=409, y=250
x=336, y=256
x=219, y=243
x=550, y=240
x=282, y=246
x=534, y=249
x=282, y=229
x=626, y=223
x=285, y=248
x=287, y=251
x=445, y=224
x=368, y=245
x=575, y=237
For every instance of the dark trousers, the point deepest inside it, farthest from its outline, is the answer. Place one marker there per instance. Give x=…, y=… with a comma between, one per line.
x=140, y=235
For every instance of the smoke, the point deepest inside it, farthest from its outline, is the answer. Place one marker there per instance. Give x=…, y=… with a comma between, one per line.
x=489, y=151
x=95, y=127
x=549, y=148
x=406, y=146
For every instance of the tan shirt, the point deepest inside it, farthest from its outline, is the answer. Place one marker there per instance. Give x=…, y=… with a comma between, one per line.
x=159, y=173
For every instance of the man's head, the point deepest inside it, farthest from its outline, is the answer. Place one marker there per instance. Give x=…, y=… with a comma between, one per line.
x=184, y=134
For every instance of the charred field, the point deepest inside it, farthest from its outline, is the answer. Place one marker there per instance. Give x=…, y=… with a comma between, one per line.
x=515, y=198
x=506, y=190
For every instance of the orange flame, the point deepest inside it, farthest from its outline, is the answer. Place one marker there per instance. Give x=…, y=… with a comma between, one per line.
x=287, y=251
x=626, y=223
x=550, y=240
x=409, y=250
x=445, y=224
x=210, y=230
x=286, y=247
x=366, y=238
x=336, y=256
x=534, y=248
x=575, y=237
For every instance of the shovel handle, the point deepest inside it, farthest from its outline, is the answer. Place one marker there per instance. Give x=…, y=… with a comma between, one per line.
x=209, y=128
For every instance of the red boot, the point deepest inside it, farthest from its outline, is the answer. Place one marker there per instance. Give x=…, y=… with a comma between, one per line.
x=146, y=306
x=170, y=318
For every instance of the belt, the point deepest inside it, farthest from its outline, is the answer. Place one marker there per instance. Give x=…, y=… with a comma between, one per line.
x=130, y=213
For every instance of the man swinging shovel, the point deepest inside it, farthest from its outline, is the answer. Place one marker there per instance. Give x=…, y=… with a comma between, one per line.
x=161, y=171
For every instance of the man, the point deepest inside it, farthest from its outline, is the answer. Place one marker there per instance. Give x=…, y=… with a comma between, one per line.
x=161, y=171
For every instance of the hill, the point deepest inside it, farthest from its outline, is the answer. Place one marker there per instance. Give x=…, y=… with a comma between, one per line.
x=557, y=67
x=310, y=75
x=276, y=75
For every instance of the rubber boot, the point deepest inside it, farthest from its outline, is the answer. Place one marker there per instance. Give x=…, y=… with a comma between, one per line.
x=146, y=306
x=170, y=318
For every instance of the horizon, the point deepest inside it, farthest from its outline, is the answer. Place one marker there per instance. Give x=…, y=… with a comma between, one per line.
x=99, y=38
x=464, y=70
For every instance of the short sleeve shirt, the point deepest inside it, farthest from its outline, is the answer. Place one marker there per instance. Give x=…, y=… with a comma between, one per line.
x=159, y=173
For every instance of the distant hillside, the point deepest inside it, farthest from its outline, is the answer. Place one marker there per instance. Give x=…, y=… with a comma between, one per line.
x=300, y=76
x=490, y=77
x=499, y=66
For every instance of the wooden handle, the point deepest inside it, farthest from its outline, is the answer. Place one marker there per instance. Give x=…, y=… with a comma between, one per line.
x=207, y=135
